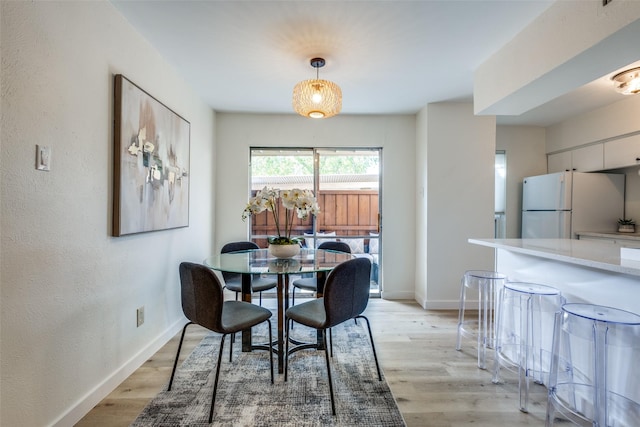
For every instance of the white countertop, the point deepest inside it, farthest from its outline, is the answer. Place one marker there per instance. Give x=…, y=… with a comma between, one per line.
x=588, y=253
x=611, y=235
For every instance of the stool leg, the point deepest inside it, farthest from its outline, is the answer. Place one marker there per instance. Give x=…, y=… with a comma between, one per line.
x=461, y=315
x=498, y=345
x=482, y=325
x=553, y=370
x=526, y=324
x=491, y=307
x=600, y=384
x=536, y=367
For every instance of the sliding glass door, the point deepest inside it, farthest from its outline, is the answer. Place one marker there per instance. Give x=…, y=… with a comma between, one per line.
x=348, y=191
x=347, y=185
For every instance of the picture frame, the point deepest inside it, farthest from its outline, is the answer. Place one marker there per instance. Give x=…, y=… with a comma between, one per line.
x=151, y=163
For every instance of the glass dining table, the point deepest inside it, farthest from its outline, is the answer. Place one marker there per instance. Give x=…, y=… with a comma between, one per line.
x=259, y=261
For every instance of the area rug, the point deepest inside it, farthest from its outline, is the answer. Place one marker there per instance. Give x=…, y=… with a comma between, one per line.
x=246, y=396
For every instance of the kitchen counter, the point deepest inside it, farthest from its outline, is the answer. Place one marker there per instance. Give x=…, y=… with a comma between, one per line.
x=626, y=237
x=586, y=253
x=588, y=271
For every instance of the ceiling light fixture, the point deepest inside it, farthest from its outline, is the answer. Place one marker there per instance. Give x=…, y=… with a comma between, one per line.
x=317, y=98
x=627, y=82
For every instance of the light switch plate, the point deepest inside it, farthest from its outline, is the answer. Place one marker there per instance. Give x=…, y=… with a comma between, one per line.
x=43, y=157
x=140, y=316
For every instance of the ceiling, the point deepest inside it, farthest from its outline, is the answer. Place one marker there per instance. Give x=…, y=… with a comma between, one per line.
x=389, y=57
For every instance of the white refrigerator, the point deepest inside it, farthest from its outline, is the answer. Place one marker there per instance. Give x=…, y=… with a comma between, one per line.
x=560, y=204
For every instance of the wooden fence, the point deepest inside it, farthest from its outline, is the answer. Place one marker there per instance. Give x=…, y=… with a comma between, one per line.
x=347, y=212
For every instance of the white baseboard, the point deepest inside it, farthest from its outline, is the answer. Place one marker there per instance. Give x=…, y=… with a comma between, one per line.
x=102, y=390
x=406, y=295
x=428, y=305
x=447, y=305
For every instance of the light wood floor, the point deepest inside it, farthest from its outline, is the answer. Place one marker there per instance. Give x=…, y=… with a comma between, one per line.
x=434, y=385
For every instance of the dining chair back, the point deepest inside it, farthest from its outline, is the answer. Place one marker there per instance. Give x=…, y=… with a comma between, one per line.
x=203, y=304
x=341, y=301
x=346, y=295
x=233, y=281
x=335, y=246
x=311, y=283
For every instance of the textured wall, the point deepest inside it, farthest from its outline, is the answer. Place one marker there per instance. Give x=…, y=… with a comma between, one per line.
x=69, y=290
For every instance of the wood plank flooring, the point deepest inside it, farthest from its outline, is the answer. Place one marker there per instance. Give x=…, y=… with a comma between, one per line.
x=434, y=385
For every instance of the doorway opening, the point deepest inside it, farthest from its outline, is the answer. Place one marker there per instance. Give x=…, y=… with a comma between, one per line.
x=500, y=218
x=347, y=185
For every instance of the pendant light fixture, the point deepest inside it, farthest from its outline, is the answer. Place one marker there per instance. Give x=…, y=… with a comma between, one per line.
x=627, y=82
x=317, y=98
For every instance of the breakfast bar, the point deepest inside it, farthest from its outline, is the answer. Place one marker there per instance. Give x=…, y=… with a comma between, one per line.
x=585, y=271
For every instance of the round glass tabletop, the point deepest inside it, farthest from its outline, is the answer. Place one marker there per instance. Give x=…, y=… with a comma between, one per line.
x=260, y=261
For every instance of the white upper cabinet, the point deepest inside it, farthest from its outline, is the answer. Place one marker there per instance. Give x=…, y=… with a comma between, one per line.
x=588, y=159
x=559, y=162
x=622, y=152
x=583, y=159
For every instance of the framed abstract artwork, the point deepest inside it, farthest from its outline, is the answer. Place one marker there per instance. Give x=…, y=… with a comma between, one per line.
x=151, y=163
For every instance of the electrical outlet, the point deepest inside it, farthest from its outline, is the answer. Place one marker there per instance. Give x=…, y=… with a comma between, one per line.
x=140, y=316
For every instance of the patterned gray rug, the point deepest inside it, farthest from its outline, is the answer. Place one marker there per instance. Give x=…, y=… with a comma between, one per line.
x=246, y=396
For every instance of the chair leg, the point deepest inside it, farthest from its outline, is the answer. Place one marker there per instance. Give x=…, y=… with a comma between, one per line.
x=331, y=341
x=260, y=298
x=270, y=350
x=373, y=347
x=231, y=341
x=286, y=347
x=175, y=363
x=326, y=354
x=293, y=300
x=215, y=382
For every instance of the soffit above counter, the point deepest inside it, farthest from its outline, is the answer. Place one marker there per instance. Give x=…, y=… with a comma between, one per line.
x=538, y=67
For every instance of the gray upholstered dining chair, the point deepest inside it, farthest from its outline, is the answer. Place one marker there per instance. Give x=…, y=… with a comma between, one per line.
x=203, y=304
x=311, y=283
x=233, y=281
x=346, y=294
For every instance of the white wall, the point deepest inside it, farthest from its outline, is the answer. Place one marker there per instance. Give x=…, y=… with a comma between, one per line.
x=69, y=290
x=457, y=152
x=600, y=124
x=632, y=193
x=422, y=204
x=524, y=147
x=236, y=133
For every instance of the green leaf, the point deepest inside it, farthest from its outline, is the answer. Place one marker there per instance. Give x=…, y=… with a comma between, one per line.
x=279, y=240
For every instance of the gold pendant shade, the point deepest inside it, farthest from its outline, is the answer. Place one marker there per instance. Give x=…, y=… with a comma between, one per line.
x=317, y=98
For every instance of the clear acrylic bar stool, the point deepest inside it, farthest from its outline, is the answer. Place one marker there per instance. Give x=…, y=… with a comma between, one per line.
x=595, y=370
x=524, y=333
x=486, y=283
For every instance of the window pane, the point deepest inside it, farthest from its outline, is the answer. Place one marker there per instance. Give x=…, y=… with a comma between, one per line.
x=280, y=169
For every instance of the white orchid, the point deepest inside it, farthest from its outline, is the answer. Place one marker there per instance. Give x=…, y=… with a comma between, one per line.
x=302, y=202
